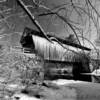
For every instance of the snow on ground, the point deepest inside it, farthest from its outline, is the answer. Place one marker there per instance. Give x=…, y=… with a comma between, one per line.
x=64, y=82
x=66, y=90
x=23, y=97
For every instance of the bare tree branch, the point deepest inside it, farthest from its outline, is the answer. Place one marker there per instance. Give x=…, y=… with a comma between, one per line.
x=93, y=8
x=33, y=19
x=64, y=19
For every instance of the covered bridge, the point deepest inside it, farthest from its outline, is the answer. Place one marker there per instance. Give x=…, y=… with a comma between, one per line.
x=58, y=51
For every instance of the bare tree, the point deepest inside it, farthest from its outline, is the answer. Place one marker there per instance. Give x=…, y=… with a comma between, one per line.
x=85, y=13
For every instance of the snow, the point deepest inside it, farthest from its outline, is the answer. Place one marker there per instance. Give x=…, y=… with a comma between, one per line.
x=72, y=91
x=64, y=82
x=21, y=96
x=96, y=72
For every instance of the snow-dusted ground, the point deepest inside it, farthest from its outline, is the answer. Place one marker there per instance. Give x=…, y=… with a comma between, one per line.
x=60, y=89
x=65, y=82
x=67, y=90
x=23, y=97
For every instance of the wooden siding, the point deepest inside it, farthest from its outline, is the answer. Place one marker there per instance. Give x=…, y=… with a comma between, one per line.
x=52, y=51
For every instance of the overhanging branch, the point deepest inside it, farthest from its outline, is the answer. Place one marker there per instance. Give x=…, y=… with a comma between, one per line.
x=20, y=2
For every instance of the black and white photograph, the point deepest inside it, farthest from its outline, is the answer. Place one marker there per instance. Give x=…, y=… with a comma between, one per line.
x=49, y=49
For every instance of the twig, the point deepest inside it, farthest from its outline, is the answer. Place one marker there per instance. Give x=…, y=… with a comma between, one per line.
x=93, y=8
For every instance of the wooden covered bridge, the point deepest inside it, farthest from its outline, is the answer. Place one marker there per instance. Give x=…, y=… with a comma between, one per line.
x=59, y=51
